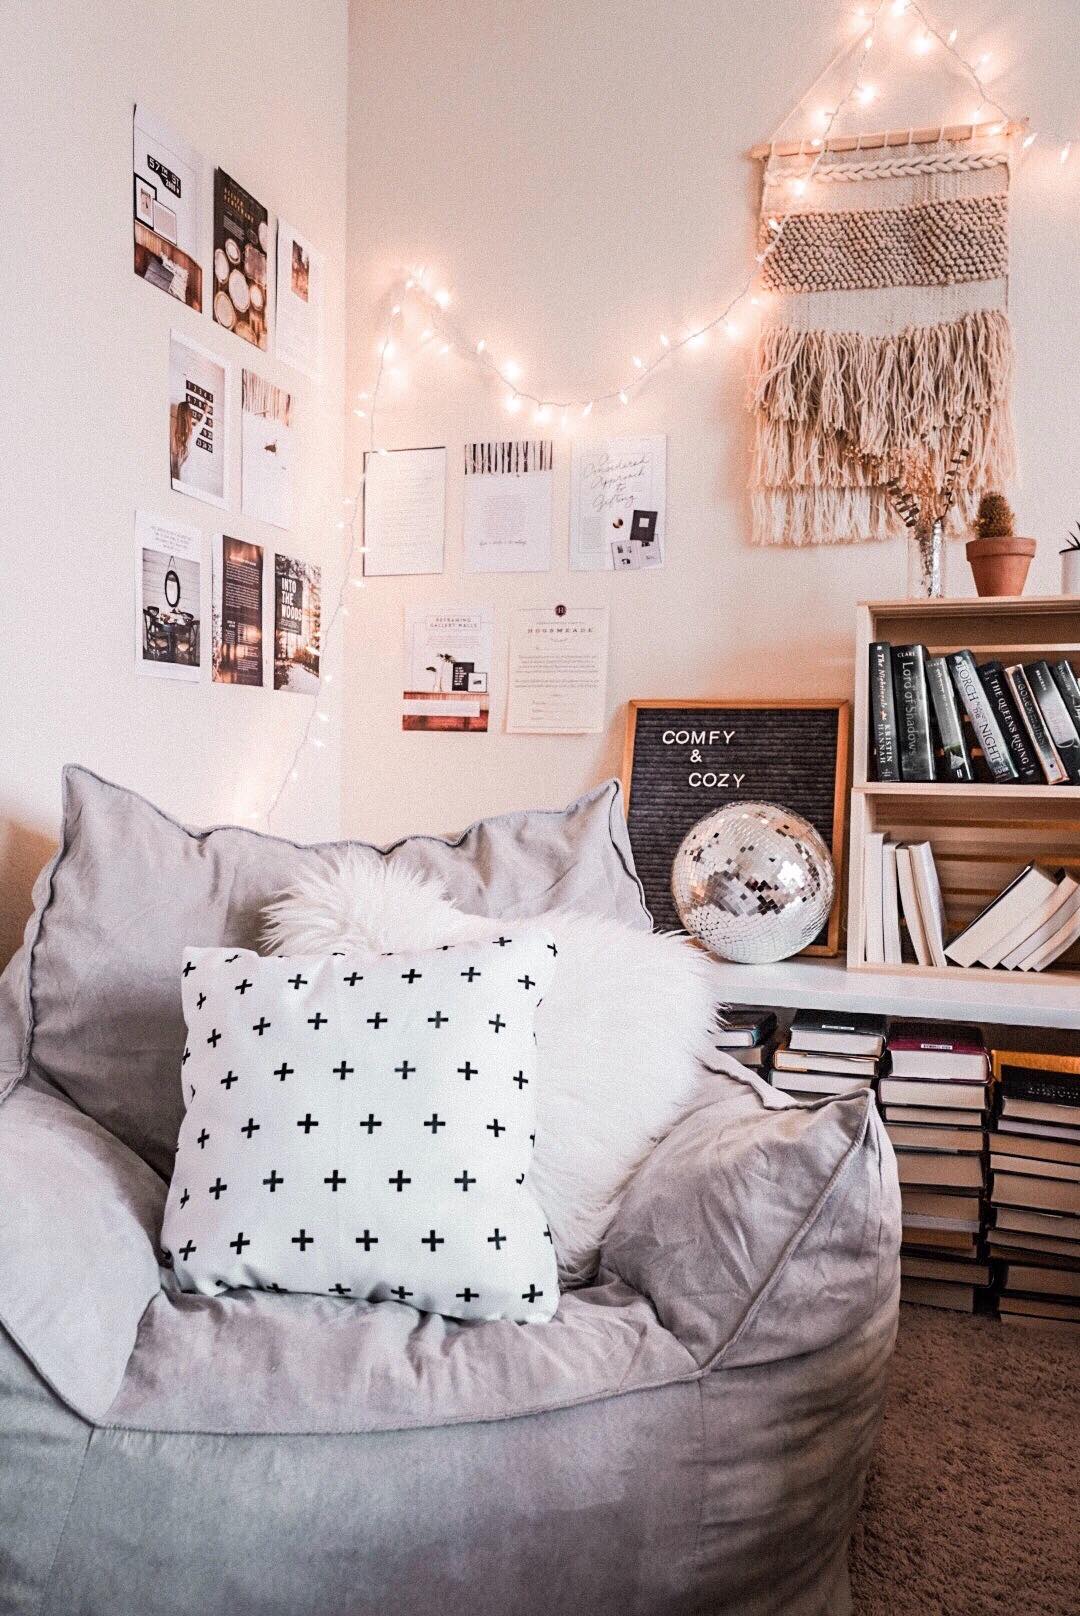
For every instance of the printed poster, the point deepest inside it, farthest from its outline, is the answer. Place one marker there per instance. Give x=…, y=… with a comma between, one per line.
x=618, y=496
x=266, y=451
x=166, y=210
x=197, y=409
x=509, y=488
x=297, y=625
x=168, y=596
x=241, y=245
x=558, y=671
x=404, y=512
x=448, y=658
x=299, y=335
x=238, y=612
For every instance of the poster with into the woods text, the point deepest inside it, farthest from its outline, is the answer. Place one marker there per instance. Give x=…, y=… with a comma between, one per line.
x=297, y=625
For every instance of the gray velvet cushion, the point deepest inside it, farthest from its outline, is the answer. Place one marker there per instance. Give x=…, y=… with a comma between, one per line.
x=130, y=889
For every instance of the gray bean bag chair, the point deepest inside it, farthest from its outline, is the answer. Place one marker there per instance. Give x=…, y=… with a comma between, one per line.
x=689, y=1434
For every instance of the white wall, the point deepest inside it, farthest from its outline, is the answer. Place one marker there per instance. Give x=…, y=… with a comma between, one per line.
x=259, y=87
x=574, y=171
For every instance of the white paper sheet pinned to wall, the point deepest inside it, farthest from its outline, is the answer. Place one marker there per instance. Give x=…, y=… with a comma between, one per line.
x=558, y=671
x=509, y=487
x=618, y=498
x=404, y=512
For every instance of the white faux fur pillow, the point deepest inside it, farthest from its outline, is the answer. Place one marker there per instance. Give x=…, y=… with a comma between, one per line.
x=621, y=1033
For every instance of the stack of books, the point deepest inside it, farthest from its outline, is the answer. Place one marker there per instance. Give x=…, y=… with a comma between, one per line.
x=950, y=718
x=934, y=1100
x=829, y=1052
x=1035, y=1192
x=749, y=1035
x=1029, y=924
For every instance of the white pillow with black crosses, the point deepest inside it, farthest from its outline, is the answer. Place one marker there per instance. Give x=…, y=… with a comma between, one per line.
x=363, y=1128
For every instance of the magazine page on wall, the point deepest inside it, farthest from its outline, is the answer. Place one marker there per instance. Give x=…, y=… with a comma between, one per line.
x=238, y=612
x=168, y=598
x=448, y=658
x=299, y=335
x=266, y=451
x=617, y=504
x=165, y=205
x=241, y=248
x=297, y=625
x=198, y=383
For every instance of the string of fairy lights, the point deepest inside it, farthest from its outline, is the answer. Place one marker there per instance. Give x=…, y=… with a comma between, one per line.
x=440, y=331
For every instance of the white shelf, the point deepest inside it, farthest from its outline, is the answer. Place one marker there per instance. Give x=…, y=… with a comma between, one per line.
x=824, y=984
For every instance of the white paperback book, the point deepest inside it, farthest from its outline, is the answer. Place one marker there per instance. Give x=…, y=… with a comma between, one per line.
x=873, y=937
x=910, y=903
x=1036, y=929
x=890, y=906
x=928, y=893
x=1056, y=945
x=1025, y=893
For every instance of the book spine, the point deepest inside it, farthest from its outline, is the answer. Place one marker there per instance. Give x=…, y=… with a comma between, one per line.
x=1045, y=750
x=884, y=740
x=955, y=762
x=913, y=713
x=1057, y=717
x=977, y=705
x=1065, y=679
x=1012, y=727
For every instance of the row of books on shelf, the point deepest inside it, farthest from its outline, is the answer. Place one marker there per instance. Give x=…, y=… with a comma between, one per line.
x=987, y=1147
x=950, y=718
x=1027, y=926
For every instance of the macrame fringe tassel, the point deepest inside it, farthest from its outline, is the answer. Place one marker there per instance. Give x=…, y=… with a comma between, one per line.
x=807, y=516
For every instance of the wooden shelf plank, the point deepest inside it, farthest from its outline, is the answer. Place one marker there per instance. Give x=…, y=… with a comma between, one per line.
x=951, y=995
x=943, y=790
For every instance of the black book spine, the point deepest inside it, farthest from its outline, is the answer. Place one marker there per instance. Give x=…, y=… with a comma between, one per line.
x=1038, y=1083
x=955, y=762
x=1065, y=679
x=977, y=705
x=1059, y=720
x=1012, y=728
x=884, y=740
x=913, y=713
x=1051, y=765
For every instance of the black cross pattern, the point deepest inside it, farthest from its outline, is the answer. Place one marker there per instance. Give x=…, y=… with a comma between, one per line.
x=307, y=1122
x=303, y=1239
x=367, y=1240
x=186, y=1249
x=496, y=1127
x=185, y=1198
x=471, y=974
x=297, y=981
x=343, y=1070
x=188, y=968
x=377, y=1020
x=317, y=1020
x=503, y=942
x=370, y=1122
x=274, y=1180
x=399, y=1181
x=340, y=1290
x=200, y=1001
x=405, y=1070
x=554, y=950
x=283, y=1071
x=520, y=1079
x=497, y=1240
x=231, y=959
x=229, y=1079
x=201, y=1139
x=412, y=975
x=468, y=1071
x=242, y=987
x=438, y=1019
x=431, y=1240
x=435, y=1122
x=520, y=1179
x=531, y=1295
x=250, y=1127
x=217, y=1188
x=465, y=1179
x=239, y=1243
x=335, y=1181
x=467, y=1295
x=353, y=978
x=191, y=1086
x=497, y=1022
x=400, y=1292
x=526, y=981
x=214, y=1039
x=185, y=1057
x=260, y=1026
x=547, y=1235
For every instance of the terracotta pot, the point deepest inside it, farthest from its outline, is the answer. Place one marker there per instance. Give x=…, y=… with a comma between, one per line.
x=1000, y=566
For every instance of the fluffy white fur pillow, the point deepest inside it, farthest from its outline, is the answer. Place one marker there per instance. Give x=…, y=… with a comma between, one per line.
x=621, y=1034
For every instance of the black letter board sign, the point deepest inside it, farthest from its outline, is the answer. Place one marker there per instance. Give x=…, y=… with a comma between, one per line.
x=685, y=759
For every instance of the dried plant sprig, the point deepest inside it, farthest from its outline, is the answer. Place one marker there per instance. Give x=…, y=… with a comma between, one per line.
x=1072, y=541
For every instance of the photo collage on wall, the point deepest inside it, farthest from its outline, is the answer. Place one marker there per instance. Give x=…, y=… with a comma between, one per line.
x=176, y=593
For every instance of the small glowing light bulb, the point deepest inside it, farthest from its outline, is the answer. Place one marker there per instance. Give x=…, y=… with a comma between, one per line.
x=774, y=224
x=823, y=115
x=442, y=298
x=697, y=340
x=664, y=343
x=358, y=583
x=1029, y=140
x=623, y=399
x=361, y=413
x=294, y=774
x=396, y=310
x=732, y=331
x=481, y=345
x=445, y=349
x=565, y=421
x=639, y=363
x=865, y=94
x=324, y=718
x=922, y=43
x=426, y=334
x=868, y=42
x=951, y=37
x=899, y=7
x=799, y=187
x=541, y=413
x=586, y=411
x=511, y=370
x=1065, y=153
x=513, y=403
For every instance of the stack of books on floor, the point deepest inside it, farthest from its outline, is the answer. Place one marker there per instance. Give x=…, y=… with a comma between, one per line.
x=749, y=1035
x=934, y=1100
x=829, y=1052
x=949, y=718
x=1035, y=1187
x=1027, y=926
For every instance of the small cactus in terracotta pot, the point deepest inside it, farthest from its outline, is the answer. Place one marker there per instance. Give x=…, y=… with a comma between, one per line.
x=999, y=559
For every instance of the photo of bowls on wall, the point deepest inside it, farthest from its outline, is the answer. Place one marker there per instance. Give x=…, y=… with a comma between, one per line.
x=241, y=249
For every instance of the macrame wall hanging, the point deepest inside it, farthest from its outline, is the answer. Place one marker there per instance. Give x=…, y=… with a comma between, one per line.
x=886, y=334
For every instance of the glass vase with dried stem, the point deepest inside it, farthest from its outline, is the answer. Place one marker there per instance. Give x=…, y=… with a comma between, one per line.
x=923, y=504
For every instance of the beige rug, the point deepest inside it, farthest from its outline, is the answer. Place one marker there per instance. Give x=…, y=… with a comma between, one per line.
x=973, y=1501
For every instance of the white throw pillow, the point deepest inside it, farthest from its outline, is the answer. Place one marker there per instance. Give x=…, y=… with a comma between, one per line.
x=364, y=1126
x=623, y=1032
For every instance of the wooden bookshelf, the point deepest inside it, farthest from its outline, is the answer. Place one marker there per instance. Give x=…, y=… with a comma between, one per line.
x=981, y=834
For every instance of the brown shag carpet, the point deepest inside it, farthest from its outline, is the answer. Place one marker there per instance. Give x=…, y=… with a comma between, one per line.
x=973, y=1500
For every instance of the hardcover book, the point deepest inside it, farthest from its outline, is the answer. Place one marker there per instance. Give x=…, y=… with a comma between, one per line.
x=1066, y=681
x=1015, y=733
x=976, y=703
x=1050, y=1079
x=936, y=1049
x=1047, y=753
x=953, y=762
x=838, y=1032
x=913, y=712
x=1023, y=895
x=1058, y=719
x=884, y=740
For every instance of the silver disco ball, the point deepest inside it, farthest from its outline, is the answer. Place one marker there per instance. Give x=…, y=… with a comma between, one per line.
x=754, y=882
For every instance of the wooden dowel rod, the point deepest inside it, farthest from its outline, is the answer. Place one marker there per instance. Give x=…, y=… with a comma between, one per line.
x=888, y=137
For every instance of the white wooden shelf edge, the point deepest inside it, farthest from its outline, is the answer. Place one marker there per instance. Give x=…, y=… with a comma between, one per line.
x=813, y=983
